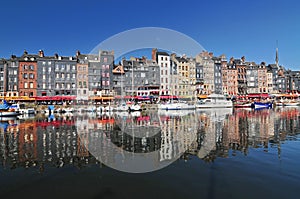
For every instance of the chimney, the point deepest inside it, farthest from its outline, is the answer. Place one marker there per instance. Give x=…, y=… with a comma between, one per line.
x=173, y=55
x=154, y=51
x=41, y=53
x=77, y=53
x=243, y=59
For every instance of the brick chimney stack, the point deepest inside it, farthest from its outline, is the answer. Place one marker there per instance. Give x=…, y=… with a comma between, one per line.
x=154, y=51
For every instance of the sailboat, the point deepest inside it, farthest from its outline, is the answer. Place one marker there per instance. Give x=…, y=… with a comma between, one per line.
x=122, y=106
x=172, y=104
x=133, y=106
x=7, y=111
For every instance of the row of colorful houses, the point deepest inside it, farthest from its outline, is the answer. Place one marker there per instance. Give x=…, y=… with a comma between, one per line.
x=96, y=76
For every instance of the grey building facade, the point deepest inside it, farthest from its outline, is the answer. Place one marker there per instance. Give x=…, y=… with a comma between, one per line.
x=218, y=75
x=65, y=75
x=46, y=76
x=12, y=66
x=140, y=74
x=100, y=73
x=252, y=78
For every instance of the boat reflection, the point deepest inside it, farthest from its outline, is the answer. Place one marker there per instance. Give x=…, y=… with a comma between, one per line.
x=59, y=140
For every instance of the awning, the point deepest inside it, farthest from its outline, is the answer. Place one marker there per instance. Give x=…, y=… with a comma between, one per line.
x=168, y=97
x=259, y=95
x=101, y=98
x=54, y=98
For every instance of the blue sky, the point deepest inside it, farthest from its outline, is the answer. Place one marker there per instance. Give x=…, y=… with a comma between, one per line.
x=235, y=28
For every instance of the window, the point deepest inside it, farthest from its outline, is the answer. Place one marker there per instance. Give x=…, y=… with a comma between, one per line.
x=31, y=85
x=63, y=75
x=107, y=74
x=49, y=69
x=68, y=67
x=25, y=75
x=74, y=75
x=57, y=75
x=105, y=59
x=84, y=84
x=103, y=74
x=31, y=76
x=44, y=86
x=73, y=67
x=56, y=67
x=25, y=85
x=25, y=67
x=107, y=83
x=68, y=75
x=107, y=66
x=31, y=67
x=62, y=67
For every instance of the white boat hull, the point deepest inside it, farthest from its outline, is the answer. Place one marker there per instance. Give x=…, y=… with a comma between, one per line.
x=8, y=114
x=176, y=106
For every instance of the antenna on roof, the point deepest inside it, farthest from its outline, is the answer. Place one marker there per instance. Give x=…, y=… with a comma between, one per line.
x=276, y=59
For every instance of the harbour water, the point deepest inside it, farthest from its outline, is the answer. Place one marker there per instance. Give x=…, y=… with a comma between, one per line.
x=208, y=153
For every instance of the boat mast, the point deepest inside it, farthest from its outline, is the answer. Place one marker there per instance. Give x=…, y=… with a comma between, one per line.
x=132, y=80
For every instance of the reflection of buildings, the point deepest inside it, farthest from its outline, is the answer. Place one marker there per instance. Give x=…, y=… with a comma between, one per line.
x=178, y=135
x=31, y=143
x=244, y=129
x=64, y=140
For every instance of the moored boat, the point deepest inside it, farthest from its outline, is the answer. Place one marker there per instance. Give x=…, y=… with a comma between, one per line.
x=215, y=101
x=6, y=111
x=258, y=105
x=242, y=104
x=176, y=106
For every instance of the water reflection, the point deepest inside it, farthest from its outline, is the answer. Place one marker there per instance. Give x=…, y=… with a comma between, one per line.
x=61, y=140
